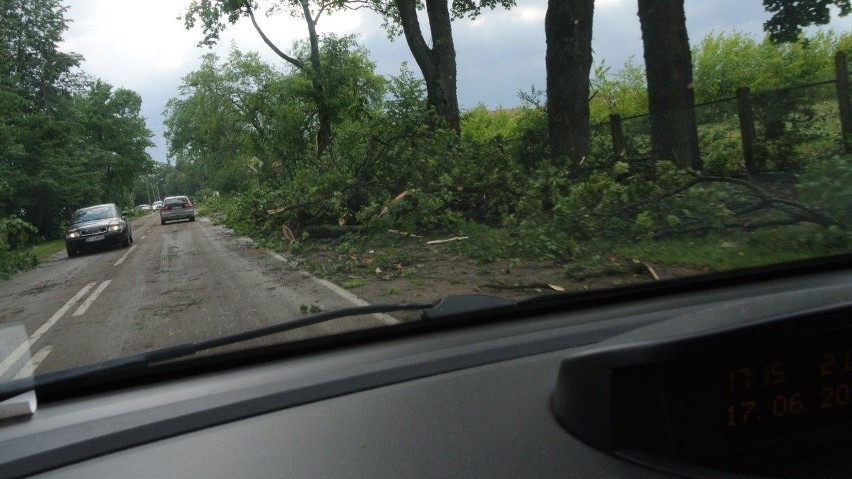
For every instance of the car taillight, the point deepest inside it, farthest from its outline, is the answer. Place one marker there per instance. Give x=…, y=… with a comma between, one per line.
x=165, y=207
x=187, y=205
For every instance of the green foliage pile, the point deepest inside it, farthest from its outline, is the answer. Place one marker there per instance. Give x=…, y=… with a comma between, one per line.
x=246, y=130
x=825, y=184
x=16, y=237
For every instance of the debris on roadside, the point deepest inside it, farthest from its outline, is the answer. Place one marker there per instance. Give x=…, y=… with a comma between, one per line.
x=457, y=238
x=404, y=233
x=287, y=233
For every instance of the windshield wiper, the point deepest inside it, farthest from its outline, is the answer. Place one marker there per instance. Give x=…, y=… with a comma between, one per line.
x=19, y=386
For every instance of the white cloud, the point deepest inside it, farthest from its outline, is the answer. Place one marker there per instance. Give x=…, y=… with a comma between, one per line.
x=531, y=13
x=129, y=43
x=614, y=3
x=342, y=23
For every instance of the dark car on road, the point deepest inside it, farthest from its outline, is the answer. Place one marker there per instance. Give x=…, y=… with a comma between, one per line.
x=176, y=208
x=97, y=226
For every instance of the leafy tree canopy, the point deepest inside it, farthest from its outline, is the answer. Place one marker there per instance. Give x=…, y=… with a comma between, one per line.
x=66, y=139
x=790, y=16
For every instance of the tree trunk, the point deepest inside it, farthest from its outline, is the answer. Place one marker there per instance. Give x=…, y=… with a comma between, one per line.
x=568, y=30
x=323, y=115
x=668, y=67
x=438, y=63
x=315, y=71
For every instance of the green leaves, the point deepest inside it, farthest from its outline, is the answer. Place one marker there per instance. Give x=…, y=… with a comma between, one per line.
x=472, y=8
x=30, y=62
x=211, y=15
x=66, y=139
x=393, y=167
x=16, y=235
x=825, y=184
x=240, y=107
x=790, y=16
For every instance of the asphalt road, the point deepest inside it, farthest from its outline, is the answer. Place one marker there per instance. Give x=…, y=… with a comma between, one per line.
x=179, y=282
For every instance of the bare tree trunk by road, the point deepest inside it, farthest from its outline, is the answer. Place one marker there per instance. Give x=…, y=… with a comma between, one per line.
x=668, y=67
x=568, y=31
x=438, y=63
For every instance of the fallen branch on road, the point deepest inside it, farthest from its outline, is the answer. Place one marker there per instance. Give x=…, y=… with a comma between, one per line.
x=554, y=287
x=457, y=238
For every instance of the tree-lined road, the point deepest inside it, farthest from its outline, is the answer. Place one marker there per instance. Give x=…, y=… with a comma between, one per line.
x=179, y=282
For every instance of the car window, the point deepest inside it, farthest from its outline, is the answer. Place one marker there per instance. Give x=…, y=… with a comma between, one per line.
x=93, y=214
x=399, y=152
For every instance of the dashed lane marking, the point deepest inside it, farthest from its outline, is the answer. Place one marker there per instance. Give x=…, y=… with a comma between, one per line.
x=24, y=347
x=34, y=363
x=91, y=299
x=124, y=256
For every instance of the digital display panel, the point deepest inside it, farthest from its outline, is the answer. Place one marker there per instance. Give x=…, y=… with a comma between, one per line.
x=789, y=387
x=714, y=389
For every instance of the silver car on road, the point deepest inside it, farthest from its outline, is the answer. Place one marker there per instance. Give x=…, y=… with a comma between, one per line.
x=176, y=208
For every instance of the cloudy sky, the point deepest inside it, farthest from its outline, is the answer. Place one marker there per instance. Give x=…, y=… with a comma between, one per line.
x=141, y=45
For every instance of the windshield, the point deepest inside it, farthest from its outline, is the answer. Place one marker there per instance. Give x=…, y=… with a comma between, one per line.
x=379, y=153
x=92, y=214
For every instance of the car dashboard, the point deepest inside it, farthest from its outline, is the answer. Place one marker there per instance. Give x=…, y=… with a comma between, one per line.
x=523, y=395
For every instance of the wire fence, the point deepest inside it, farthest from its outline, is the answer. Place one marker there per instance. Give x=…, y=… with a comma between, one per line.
x=769, y=131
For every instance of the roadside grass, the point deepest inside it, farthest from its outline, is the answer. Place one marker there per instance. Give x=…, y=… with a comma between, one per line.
x=43, y=250
x=12, y=262
x=354, y=283
x=735, y=250
x=712, y=252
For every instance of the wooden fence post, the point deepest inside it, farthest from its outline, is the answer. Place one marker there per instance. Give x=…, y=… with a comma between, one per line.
x=619, y=146
x=843, y=101
x=746, y=115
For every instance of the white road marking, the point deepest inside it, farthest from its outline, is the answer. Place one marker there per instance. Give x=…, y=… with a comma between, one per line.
x=34, y=363
x=357, y=301
x=124, y=256
x=24, y=347
x=91, y=299
x=385, y=318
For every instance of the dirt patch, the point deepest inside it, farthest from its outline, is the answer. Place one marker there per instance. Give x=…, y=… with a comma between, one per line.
x=40, y=287
x=413, y=271
x=416, y=272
